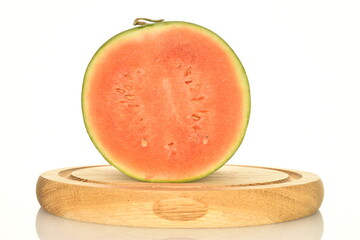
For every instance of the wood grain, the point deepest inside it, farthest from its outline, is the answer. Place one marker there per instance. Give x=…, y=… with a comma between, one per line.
x=233, y=196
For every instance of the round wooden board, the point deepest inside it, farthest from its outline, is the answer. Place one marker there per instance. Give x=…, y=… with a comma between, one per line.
x=232, y=196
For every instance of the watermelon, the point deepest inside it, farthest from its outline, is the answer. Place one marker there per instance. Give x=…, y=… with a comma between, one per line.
x=166, y=102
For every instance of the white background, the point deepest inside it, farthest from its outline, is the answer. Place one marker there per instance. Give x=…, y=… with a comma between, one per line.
x=303, y=63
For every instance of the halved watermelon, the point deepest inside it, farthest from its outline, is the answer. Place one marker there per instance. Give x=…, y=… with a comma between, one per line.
x=166, y=102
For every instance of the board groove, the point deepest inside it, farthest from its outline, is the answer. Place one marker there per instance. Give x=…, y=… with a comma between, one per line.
x=68, y=174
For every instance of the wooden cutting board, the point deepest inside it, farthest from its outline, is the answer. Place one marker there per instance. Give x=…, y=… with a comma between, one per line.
x=231, y=197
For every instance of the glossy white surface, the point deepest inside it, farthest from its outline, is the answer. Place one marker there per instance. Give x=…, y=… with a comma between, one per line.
x=301, y=57
x=50, y=227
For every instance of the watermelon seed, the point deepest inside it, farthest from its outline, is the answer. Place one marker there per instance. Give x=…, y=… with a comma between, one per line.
x=203, y=111
x=196, y=127
x=205, y=140
x=188, y=81
x=133, y=105
x=141, y=119
x=198, y=98
x=130, y=97
x=144, y=142
x=196, y=117
x=167, y=146
x=127, y=75
x=128, y=87
x=179, y=65
x=140, y=70
x=120, y=90
x=188, y=71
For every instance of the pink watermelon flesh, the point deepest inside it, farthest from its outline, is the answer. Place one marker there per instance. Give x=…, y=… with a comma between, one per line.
x=168, y=102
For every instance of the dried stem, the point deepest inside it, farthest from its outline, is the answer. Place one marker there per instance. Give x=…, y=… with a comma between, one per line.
x=140, y=21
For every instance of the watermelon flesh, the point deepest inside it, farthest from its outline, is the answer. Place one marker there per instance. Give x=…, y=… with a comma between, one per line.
x=166, y=102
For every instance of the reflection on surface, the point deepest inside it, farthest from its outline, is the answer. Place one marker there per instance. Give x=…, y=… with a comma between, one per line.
x=50, y=227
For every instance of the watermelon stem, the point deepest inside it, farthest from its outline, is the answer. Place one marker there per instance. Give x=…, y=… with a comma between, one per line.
x=140, y=21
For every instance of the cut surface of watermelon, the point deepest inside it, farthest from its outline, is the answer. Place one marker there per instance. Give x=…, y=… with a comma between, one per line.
x=166, y=102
